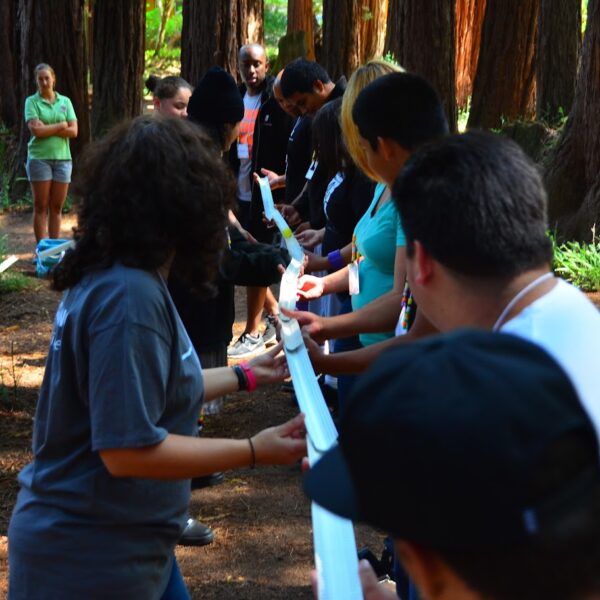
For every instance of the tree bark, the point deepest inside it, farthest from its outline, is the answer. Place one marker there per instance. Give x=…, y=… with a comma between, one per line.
x=469, y=22
x=251, y=22
x=372, y=29
x=573, y=170
x=118, y=43
x=393, y=30
x=51, y=33
x=9, y=113
x=213, y=33
x=341, y=32
x=559, y=43
x=504, y=87
x=422, y=41
x=300, y=17
x=353, y=33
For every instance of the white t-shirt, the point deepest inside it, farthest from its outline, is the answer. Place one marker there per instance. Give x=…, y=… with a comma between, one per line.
x=567, y=325
x=244, y=146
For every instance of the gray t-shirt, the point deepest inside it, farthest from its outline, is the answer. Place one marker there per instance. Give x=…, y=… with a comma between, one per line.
x=121, y=373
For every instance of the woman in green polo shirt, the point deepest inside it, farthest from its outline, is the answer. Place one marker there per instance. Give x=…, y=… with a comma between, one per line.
x=51, y=121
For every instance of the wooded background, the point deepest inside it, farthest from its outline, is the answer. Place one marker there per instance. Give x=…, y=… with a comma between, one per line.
x=522, y=67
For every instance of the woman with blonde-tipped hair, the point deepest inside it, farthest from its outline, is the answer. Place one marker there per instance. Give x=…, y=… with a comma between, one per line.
x=359, y=80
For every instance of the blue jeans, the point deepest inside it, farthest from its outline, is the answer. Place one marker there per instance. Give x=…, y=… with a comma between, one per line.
x=345, y=382
x=176, y=589
x=405, y=588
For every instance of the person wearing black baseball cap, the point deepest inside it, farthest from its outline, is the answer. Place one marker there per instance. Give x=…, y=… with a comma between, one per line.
x=503, y=464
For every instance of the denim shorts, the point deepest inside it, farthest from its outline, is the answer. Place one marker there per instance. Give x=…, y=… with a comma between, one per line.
x=49, y=170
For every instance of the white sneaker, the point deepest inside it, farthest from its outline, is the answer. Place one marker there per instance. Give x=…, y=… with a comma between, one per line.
x=246, y=345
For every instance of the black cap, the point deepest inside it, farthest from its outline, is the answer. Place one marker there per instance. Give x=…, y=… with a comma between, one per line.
x=216, y=99
x=441, y=439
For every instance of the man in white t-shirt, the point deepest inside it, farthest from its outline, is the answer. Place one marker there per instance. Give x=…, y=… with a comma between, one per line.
x=473, y=208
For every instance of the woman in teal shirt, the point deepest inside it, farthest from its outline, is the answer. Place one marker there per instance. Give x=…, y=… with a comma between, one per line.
x=52, y=122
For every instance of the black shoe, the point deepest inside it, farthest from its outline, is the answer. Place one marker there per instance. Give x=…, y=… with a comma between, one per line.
x=330, y=395
x=379, y=568
x=207, y=481
x=270, y=333
x=196, y=534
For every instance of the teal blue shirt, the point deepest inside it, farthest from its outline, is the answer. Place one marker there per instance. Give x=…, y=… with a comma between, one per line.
x=53, y=147
x=377, y=237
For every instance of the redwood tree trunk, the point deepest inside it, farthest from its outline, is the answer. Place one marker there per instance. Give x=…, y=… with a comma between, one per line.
x=9, y=112
x=211, y=35
x=393, y=30
x=353, y=32
x=341, y=24
x=118, y=43
x=251, y=22
x=559, y=43
x=573, y=170
x=504, y=87
x=423, y=43
x=51, y=33
x=469, y=22
x=300, y=17
x=372, y=29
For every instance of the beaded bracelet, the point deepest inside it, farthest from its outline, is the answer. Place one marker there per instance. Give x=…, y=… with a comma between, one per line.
x=335, y=260
x=250, y=377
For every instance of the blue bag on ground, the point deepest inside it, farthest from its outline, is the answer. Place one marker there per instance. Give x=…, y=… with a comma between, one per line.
x=45, y=264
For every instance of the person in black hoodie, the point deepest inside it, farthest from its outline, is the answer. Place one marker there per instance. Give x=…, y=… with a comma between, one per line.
x=306, y=87
x=262, y=144
x=216, y=106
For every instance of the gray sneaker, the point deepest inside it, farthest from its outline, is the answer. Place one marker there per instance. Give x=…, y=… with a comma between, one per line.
x=246, y=345
x=270, y=333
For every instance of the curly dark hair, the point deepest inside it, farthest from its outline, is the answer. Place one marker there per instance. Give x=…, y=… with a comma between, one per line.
x=152, y=189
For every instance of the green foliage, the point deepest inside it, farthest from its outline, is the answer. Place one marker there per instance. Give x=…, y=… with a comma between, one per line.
x=168, y=60
x=275, y=25
x=10, y=281
x=578, y=263
x=584, y=15
x=172, y=32
x=463, y=117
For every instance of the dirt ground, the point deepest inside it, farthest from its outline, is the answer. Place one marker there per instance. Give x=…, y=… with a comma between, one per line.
x=261, y=519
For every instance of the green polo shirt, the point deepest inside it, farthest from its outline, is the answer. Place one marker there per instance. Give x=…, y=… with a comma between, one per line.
x=53, y=147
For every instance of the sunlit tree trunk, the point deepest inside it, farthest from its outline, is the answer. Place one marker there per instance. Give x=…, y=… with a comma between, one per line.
x=252, y=30
x=469, y=22
x=353, y=32
x=300, y=17
x=372, y=29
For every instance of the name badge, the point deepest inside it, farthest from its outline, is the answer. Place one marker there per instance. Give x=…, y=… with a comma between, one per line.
x=353, y=280
x=311, y=170
x=243, y=151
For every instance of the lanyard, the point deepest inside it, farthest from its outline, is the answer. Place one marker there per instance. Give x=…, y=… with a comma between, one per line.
x=520, y=295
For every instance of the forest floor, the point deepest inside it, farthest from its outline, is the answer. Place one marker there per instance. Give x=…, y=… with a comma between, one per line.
x=261, y=519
